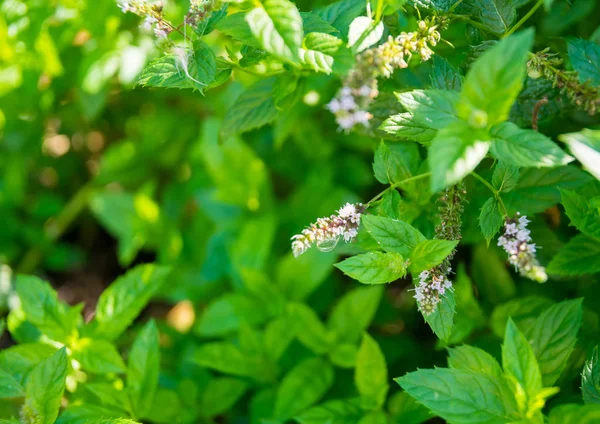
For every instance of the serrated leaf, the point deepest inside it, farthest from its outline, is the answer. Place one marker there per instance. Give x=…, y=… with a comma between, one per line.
x=98, y=356
x=444, y=76
x=254, y=108
x=45, y=387
x=235, y=26
x=590, y=379
x=470, y=358
x=371, y=375
x=143, y=367
x=585, y=146
x=374, y=267
x=363, y=29
x=522, y=310
x=395, y=163
x=553, y=337
x=304, y=385
x=185, y=69
x=505, y=177
x=441, y=320
x=581, y=255
x=393, y=235
x=459, y=396
x=525, y=148
x=341, y=13
x=317, y=61
x=427, y=112
x=430, y=253
x=538, y=189
x=322, y=42
x=582, y=215
x=495, y=80
x=311, y=22
x=497, y=16
x=490, y=219
x=454, y=153
x=278, y=27
x=585, y=58
x=125, y=298
x=521, y=368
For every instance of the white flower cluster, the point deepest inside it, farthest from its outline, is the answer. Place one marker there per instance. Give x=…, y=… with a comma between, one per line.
x=350, y=106
x=152, y=14
x=326, y=232
x=521, y=253
x=431, y=286
x=346, y=107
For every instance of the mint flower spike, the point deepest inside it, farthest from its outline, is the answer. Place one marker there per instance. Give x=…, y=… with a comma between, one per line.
x=350, y=105
x=326, y=232
x=432, y=285
x=516, y=242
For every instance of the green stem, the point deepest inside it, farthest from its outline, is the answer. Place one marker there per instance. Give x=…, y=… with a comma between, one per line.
x=55, y=227
x=395, y=185
x=524, y=18
x=494, y=191
x=454, y=6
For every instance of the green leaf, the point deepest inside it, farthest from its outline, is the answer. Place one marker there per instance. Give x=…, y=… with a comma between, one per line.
x=374, y=267
x=226, y=358
x=459, y=396
x=430, y=253
x=392, y=235
x=44, y=389
x=571, y=413
x=143, y=367
x=538, y=189
x=441, y=320
x=590, y=379
x=581, y=255
x=582, y=214
x=364, y=29
x=490, y=219
x=444, y=76
x=277, y=25
x=553, y=337
x=427, y=112
x=344, y=355
x=341, y=13
x=317, y=61
x=9, y=386
x=495, y=80
x=314, y=23
x=254, y=108
x=43, y=309
x=322, y=42
x=521, y=368
x=278, y=336
x=89, y=414
x=19, y=360
x=522, y=310
x=585, y=58
x=371, y=375
x=405, y=410
x=185, y=69
x=332, y=412
x=497, y=16
x=125, y=298
x=304, y=385
x=235, y=26
x=469, y=358
x=585, y=146
x=220, y=394
x=394, y=164
x=505, y=177
x=374, y=417
x=454, y=153
x=98, y=356
x=311, y=331
x=354, y=312
x=525, y=148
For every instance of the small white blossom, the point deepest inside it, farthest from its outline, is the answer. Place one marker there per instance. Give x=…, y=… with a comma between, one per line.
x=334, y=105
x=148, y=22
x=326, y=232
x=160, y=32
x=347, y=103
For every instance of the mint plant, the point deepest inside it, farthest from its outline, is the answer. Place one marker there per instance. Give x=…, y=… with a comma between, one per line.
x=358, y=212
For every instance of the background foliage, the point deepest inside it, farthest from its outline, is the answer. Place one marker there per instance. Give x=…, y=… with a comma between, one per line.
x=152, y=187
